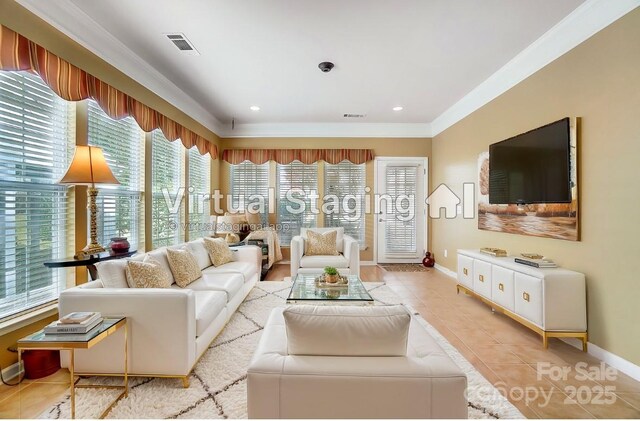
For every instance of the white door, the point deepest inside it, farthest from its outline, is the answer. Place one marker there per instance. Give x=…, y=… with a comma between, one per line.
x=400, y=217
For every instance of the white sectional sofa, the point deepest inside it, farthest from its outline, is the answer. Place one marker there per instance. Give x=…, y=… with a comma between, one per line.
x=169, y=328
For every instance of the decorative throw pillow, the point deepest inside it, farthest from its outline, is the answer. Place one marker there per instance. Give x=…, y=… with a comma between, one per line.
x=147, y=274
x=219, y=251
x=184, y=267
x=321, y=244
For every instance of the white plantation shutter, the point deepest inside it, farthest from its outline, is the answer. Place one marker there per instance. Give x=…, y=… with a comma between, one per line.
x=400, y=234
x=341, y=180
x=35, y=125
x=167, y=173
x=295, y=175
x=119, y=207
x=200, y=181
x=248, y=179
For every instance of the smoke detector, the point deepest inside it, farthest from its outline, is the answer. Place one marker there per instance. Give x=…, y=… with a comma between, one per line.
x=180, y=41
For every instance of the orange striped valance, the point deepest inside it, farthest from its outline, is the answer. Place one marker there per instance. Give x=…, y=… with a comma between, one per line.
x=74, y=84
x=306, y=156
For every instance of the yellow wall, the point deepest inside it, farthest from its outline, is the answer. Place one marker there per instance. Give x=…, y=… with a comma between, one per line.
x=598, y=81
x=414, y=147
x=25, y=23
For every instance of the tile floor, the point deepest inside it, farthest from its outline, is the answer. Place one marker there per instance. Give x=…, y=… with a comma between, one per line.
x=506, y=353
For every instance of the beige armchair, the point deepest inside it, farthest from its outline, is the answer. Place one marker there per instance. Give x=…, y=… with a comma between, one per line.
x=347, y=261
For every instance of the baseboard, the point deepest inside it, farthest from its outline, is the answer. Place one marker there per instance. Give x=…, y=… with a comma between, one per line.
x=12, y=372
x=627, y=367
x=446, y=271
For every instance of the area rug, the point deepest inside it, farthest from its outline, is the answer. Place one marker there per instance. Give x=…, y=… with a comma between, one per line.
x=404, y=267
x=218, y=382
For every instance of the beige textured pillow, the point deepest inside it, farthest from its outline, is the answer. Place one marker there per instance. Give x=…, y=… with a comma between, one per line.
x=219, y=251
x=184, y=267
x=321, y=244
x=147, y=274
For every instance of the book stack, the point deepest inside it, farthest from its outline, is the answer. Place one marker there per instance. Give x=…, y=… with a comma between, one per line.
x=493, y=252
x=78, y=323
x=536, y=263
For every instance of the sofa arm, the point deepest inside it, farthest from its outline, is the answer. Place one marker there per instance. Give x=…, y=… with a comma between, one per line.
x=296, y=251
x=352, y=254
x=161, y=327
x=250, y=254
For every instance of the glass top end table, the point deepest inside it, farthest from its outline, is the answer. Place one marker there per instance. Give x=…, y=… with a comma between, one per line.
x=307, y=290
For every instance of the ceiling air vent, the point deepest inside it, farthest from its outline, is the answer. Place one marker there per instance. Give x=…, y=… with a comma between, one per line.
x=180, y=40
x=349, y=115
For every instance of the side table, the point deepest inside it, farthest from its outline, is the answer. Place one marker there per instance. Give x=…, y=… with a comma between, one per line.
x=70, y=343
x=89, y=261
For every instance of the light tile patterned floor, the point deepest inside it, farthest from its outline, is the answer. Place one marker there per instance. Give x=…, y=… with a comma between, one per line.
x=506, y=353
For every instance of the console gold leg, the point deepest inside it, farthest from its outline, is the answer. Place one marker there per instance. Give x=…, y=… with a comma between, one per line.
x=73, y=385
x=545, y=341
x=585, y=341
x=185, y=382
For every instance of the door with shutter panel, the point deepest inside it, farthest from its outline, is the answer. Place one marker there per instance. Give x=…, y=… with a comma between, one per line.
x=400, y=220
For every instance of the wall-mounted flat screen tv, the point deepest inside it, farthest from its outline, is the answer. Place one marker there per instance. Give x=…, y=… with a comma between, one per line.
x=533, y=167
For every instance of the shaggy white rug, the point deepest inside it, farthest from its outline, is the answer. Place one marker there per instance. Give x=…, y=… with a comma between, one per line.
x=218, y=382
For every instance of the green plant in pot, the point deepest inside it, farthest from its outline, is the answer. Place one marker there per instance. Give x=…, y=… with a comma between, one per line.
x=330, y=275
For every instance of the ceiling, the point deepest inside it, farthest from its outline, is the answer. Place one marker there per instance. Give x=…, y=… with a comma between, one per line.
x=423, y=55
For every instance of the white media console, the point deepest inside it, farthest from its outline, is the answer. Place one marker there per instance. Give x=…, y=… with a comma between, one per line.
x=551, y=302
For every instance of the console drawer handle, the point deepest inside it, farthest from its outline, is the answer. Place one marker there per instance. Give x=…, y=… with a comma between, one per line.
x=501, y=287
x=481, y=278
x=525, y=296
x=465, y=271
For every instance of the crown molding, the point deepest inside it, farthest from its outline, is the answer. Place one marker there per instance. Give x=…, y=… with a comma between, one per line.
x=399, y=130
x=585, y=21
x=66, y=17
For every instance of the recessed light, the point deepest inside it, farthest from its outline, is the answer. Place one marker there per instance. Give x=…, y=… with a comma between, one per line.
x=254, y=108
x=397, y=108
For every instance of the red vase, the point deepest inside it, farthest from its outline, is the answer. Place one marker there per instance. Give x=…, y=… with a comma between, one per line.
x=119, y=245
x=428, y=260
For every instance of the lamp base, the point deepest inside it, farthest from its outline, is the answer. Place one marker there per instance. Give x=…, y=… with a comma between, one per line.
x=89, y=250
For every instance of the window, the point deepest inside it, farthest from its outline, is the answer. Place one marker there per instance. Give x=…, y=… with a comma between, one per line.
x=296, y=182
x=167, y=210
x=249, y=179
x=200, y=181
x=346, y=181
x=120, y=207
x=35, y=125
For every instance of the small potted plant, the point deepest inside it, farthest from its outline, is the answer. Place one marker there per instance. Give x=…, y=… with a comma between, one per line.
x=330, y=275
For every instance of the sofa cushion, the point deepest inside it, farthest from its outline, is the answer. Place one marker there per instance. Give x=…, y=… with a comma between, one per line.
x=321, y=244
x=112, y=273
x=209, y=304
x=377, y=331
x=160, y=255
x=321, y=261
x=147, y=274
x=183, y=266
x=231, y=283
x=246, y=269
x=200, y=253
x=219, y=251
x=339, y=235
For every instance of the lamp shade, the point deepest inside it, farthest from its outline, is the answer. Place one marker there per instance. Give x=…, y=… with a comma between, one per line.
x=89, y=167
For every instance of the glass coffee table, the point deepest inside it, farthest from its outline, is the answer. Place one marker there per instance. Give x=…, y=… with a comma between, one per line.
x=307, y=290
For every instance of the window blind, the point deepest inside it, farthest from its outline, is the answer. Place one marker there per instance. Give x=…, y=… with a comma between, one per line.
x=341, y=180
x=400, y=234
x=168, y=175
x=248, y=179
x=35, y=128
x=295, y=175
x=200, y=181
x=119, y=207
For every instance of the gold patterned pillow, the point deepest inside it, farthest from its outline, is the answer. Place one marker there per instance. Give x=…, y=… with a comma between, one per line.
x=184, y=267
x=219, y=251
x=147, y=274
x=319, y=244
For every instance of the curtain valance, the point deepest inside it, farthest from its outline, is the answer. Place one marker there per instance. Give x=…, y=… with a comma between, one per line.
x=306, y=156
x=74, y=84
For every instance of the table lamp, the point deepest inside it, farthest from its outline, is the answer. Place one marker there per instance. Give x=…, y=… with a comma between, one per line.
x=89, y=168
